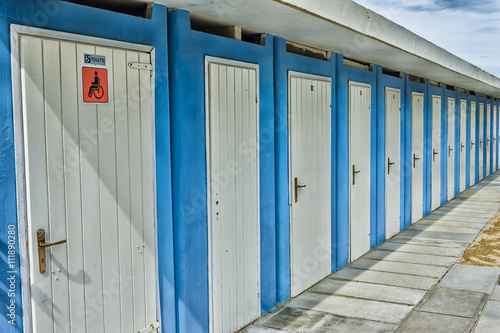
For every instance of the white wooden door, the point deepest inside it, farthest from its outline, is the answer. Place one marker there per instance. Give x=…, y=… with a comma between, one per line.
x=463, y=146
x=233, y=196
x=417, y=144
x=392, y=161
x=488, y=139
x=481, y=141
x=89, y=181
x=310, y=166
x=495, y=141
x=359, y=173
x=473, y=143
x=451, y=148
x=436, y=151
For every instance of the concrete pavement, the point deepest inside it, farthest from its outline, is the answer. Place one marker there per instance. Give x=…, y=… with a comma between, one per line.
x=410, y=283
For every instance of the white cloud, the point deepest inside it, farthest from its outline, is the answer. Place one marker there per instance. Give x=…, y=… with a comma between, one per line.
x=468, y=29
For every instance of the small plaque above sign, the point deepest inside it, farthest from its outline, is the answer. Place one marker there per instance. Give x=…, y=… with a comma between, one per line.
x=93, y=59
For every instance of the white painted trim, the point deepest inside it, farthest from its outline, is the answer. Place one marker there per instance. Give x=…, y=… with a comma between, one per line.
x=16, y=32
x=234, y=63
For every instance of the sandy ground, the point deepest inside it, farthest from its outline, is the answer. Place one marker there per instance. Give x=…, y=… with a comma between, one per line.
x=485, y=250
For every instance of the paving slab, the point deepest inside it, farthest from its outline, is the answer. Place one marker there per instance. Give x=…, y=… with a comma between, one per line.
x=472, y=212
x=487, y=325
x=427, y=249
x=426, y=259
x=452, y=224
x=446, y=229
x=458, y=218
x=420, y=322
x=306, y=321
x=259, y=329
x=391, y=279
x=492, y=310
x=429, y=241
x=463, y=303
x=352, y=307
x=495, y=296
x=474, y=278
x=376, y=292
x=439, y=235
x=473, y=221
x=400, y=267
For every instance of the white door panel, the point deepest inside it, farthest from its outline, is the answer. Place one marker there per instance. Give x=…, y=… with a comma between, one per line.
x=436, y=152
x=481, y=141
x=463, y=146
x=451, y=147
x=89, y=180
x=473, y=143
x=488, y=139
x=310, y=166
x=233, y=196
x=417, y=174
x=359, y=178
x=494, y=138
x=392, y=165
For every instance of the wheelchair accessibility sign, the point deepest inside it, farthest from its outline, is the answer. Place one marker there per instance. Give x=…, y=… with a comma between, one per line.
x=95, y=85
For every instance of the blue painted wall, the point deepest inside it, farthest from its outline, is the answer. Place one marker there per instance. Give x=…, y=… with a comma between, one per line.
x=283, y=63
x=187, y=51
x=344, y=75
x=67, y=17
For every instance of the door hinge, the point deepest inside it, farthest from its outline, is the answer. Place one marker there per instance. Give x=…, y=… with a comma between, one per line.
x=140, y=65
x=151, y=328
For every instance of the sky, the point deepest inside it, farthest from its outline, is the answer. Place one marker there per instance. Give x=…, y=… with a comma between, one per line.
x=470, y=29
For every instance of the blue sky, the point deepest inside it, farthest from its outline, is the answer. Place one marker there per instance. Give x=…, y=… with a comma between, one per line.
x=470, y=29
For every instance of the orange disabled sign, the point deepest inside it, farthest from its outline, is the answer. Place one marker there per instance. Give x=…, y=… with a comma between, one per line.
x=95, y=85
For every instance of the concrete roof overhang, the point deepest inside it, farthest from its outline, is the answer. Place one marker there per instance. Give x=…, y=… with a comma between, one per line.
x=344, y=27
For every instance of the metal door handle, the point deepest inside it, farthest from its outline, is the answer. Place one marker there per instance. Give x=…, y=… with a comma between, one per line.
x=487, y=141
x=480, y=143
x=449, y=150
x=354, y=172
x=414, y=159
x=461, y=146
x=42, y=245
x=471, y=145
x=434, y=153
x=295, y=187
x=389, y=163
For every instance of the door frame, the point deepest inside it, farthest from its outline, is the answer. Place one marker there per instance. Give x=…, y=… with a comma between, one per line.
x=247, y=65
x=16, y=31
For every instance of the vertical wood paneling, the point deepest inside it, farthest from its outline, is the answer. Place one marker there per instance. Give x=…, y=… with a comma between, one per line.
x=488, y=139
x=473, y=144
x=107, y=197
x=392, y=154
x=463, y=146
x=495, y=138
x=36, y=174
x=90, y=181
x=481, y=141
x=359, y=152
x=55, y=183
x=92, y=250
x=436, y=152
x=74, y=246
x=451, y=148
x=233, y=194
x=417, y=128
x=125, y=276
x=310, y=139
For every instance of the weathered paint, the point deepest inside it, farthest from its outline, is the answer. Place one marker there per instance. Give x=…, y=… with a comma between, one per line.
x=68, y=17
x=187, y=49
x=284, y=62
